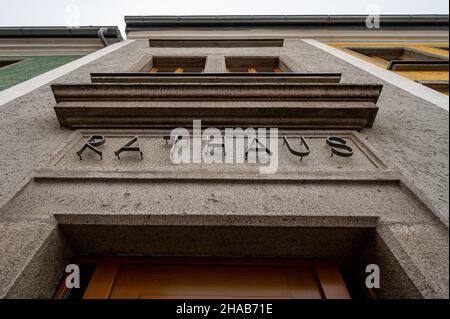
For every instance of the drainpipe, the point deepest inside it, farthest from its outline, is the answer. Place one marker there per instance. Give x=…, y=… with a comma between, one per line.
x=101, y=35
x=119, y=35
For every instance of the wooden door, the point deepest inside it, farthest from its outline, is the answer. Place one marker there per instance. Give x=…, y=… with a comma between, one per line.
x=200, y=278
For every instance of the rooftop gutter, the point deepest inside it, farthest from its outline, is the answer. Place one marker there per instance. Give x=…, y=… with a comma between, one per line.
x=60, y=32
x=137, y=23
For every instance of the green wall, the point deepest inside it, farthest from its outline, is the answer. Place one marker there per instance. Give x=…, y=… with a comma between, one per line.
x=29, y=68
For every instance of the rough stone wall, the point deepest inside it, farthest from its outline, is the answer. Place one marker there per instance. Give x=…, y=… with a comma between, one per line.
x=410, y=132
x=29, y=130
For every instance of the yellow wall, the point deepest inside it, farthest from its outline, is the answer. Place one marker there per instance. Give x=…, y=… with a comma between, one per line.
x=413, y=75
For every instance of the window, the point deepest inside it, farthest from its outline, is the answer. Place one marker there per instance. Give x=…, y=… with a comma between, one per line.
x=404, y=59
x=440, y=86
x=4, y=63
x=177, y=65
x=255, y=65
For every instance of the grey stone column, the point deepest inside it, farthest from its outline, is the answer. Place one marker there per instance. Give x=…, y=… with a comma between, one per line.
x=215, y=64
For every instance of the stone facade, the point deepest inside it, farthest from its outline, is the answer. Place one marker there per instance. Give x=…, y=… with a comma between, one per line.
x=387, y=205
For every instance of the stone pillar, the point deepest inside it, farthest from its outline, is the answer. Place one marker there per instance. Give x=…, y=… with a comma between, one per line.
x=215, y=64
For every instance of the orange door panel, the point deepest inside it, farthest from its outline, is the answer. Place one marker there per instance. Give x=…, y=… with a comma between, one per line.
x=197, y=278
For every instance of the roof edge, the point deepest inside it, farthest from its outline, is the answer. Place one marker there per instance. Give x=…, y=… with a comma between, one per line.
x=308, y=21
x=58, y=32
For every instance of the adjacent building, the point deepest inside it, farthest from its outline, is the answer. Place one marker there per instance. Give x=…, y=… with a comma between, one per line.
x=26, y=52
x=128, y=169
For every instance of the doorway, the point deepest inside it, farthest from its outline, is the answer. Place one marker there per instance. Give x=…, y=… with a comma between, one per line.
x=211, y=278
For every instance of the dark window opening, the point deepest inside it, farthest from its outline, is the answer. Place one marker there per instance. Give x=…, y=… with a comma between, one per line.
x=256, y=65
x=440, y=86
x=404, y=59
x=4, y=63
x=177, y=65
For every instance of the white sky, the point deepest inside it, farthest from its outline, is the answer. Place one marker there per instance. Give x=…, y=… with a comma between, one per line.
x=112, y=12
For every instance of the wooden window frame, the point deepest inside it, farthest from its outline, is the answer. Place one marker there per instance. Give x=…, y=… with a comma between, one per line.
x=423, y=61
x=178, y=69
x=179, y=64
x=250, y=64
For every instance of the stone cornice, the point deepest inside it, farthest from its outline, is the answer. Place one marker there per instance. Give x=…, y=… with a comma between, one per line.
x=217, y=92
x=284, y=105
x=274, y=78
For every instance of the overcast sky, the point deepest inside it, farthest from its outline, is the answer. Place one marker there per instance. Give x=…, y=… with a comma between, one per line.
x=111, y=12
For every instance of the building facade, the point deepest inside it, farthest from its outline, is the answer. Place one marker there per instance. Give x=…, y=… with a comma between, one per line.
x=122, y=169
x=26, y=52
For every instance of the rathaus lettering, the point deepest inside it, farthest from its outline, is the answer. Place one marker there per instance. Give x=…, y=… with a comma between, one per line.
x=338, y=146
